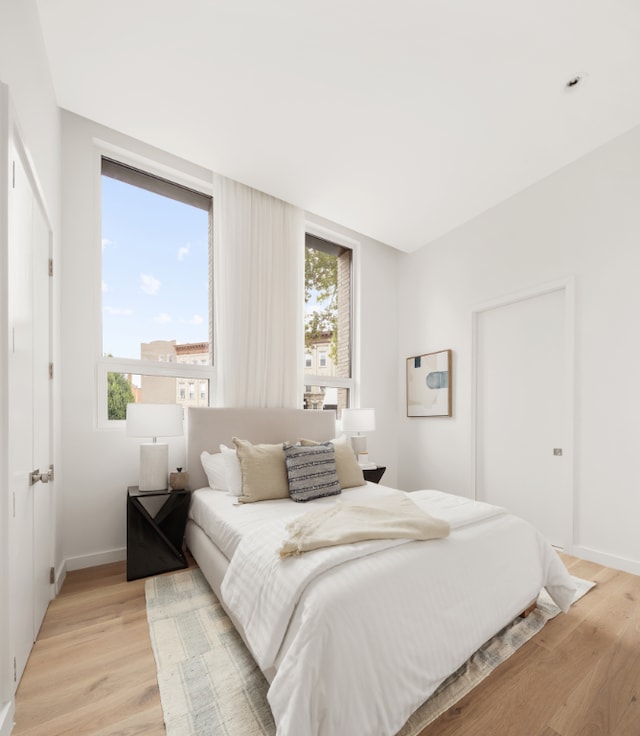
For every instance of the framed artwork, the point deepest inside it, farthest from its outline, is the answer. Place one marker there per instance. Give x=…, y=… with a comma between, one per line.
x=429, y=385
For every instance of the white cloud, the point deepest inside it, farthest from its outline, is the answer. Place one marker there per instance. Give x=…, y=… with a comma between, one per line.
x=149, y=284
x=182, y=252
x=163, y=318
x=196, y=320
x=106, y=242
x=105, y=288
x=116, y=312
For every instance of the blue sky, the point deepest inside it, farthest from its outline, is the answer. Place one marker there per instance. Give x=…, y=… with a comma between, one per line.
x=154, y=270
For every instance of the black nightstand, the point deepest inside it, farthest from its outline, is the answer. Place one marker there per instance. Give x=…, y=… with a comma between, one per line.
x=154, y=543
x=374, y=474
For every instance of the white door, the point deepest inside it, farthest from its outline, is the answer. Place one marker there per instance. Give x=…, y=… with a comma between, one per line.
x=42, y=435
x=522, y=412
x=29, y=413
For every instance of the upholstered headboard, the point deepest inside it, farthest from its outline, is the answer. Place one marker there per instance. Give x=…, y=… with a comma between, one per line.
x=207, y=428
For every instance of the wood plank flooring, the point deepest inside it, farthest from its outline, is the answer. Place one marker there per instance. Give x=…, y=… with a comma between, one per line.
x=92, y=672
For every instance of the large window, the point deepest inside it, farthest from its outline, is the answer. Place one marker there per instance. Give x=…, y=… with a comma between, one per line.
x=156, y=300
x=328, y=325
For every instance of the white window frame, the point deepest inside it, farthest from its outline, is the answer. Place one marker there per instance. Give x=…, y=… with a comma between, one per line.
x=352, y=383
x=106, y=365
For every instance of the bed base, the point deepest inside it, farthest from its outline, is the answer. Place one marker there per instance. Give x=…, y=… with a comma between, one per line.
x=528, y=610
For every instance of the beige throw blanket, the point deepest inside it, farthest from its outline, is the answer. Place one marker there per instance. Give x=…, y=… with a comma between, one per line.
x=392, y=517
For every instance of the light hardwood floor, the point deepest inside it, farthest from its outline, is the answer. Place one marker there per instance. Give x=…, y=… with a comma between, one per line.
x=92, y=671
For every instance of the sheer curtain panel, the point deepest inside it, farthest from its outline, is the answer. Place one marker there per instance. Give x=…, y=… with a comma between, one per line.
x=259, y=257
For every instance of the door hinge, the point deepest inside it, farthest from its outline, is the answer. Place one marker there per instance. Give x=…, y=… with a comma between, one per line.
x=13, y=175
x=15, y=670
x=50, y=370
x=52, y=575
x=50, y=266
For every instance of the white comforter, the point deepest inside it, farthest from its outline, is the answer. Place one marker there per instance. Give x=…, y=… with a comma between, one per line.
x=362, y=634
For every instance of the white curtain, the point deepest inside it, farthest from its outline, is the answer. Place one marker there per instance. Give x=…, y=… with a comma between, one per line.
x=258, y=297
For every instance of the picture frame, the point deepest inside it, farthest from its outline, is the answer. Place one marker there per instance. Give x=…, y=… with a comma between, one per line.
x=429, y=384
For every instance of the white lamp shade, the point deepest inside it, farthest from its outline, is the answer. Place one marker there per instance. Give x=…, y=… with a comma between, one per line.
x=358, y=420
x=154, y=420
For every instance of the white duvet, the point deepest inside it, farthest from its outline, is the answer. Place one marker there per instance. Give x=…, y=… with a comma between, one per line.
x=362, y=634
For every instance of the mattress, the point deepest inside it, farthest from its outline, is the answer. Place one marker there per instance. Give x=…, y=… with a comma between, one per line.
x=225, y=521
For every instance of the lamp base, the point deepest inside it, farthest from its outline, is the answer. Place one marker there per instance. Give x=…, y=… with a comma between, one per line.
x=154, y=466
x=359, y=444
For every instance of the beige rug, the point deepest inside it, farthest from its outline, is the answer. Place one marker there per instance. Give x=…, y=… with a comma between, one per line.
x=210, y=685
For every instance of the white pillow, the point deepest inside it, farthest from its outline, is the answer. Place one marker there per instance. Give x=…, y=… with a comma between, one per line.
x=234, y=474
x=216, y=470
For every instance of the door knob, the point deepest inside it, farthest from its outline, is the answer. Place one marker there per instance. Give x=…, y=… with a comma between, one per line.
x=36, y=475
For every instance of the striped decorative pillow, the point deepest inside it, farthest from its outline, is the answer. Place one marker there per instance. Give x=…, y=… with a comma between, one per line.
x=311, y=471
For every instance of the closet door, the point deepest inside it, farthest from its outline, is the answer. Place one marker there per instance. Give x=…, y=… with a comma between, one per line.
x=522, y=412
x=29, y=411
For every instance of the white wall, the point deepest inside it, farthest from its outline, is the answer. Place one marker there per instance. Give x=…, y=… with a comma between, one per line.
x=582, y=221
x=24, y=71
x=100, y=464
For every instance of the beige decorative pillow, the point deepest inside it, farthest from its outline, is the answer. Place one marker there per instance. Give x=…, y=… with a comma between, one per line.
x=264, y=473
x=349, y=472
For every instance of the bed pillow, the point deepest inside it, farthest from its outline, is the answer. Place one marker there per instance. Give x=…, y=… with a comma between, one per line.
x=215, y=469
x=264, y=474
x=349, y=472
x=232, y=468
x=311, y=471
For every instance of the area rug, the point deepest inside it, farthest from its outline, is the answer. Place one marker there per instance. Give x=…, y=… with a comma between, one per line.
x=210, y=685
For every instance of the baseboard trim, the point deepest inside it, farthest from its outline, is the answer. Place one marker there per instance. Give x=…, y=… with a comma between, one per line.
x=100, y=558
x=617, y=563
x=6, y=718
x=60, y=575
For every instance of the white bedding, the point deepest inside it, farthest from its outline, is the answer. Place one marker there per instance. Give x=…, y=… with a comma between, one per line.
x=361, y=635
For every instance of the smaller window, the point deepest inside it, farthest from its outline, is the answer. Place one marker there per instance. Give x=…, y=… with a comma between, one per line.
x=192, y=390
x=307, y=360
x=182, y=391
x=326, y=398
x=322, y=359
x=203, y=390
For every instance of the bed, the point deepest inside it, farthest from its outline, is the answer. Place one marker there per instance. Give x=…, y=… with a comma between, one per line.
x=354, y=638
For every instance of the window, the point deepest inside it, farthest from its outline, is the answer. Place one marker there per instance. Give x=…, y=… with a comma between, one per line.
x=328, y=324
x=156, y=300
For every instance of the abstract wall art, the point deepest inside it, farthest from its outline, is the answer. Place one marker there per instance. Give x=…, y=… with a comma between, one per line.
x=429, y=385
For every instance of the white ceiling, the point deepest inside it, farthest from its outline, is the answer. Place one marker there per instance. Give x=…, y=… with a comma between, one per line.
x=401, y=120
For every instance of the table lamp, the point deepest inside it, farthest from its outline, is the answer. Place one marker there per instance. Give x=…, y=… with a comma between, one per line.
x=154, y=420
x=359, y=420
